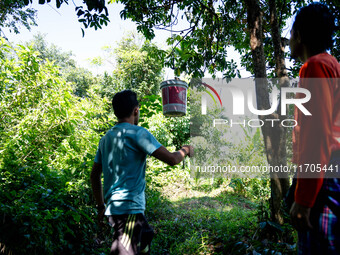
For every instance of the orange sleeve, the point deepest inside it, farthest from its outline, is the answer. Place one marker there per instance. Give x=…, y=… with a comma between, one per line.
x=315, y=133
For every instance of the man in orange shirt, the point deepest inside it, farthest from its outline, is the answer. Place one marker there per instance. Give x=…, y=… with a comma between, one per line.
x=316, y=138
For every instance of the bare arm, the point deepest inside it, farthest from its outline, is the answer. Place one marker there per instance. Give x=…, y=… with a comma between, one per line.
x=172, y=158
x=96, y=183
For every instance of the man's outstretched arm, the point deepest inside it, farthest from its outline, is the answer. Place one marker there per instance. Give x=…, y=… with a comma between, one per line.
x=172, y=158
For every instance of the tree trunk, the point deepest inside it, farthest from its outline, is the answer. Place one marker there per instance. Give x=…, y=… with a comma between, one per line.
x=279, y=190
x=274, y=137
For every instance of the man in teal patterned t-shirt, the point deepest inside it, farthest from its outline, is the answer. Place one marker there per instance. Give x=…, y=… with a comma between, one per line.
x=121, y=157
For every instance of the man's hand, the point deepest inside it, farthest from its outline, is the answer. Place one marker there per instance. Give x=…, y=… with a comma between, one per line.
x=100, y=217
x=300, y=217
x=189, y=150
x=97, y=190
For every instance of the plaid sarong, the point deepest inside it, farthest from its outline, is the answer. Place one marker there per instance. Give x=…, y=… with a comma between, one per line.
x=325, y=218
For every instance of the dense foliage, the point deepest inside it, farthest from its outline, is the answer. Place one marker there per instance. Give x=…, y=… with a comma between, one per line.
x=14, y=14
x=137, y=65
x=91, y=13
x=48, y=138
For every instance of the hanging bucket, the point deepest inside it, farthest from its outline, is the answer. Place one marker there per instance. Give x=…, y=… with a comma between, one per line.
x=174, y=97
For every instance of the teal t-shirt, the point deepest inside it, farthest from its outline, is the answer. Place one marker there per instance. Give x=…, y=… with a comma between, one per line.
x=122, y=153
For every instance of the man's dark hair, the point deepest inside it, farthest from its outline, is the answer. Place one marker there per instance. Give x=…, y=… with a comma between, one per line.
x=316, y=25
x=123, y=103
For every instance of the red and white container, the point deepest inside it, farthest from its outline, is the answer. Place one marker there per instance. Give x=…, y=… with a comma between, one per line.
x=174, y=97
